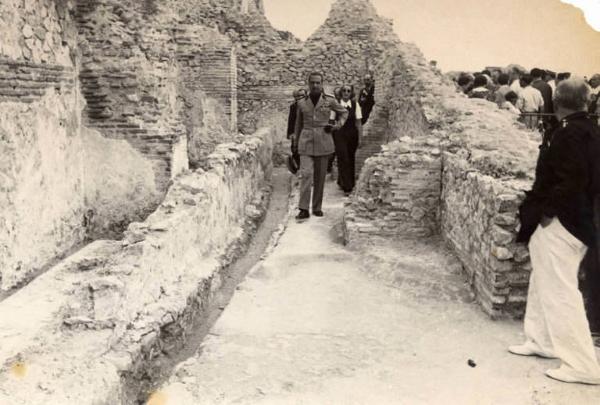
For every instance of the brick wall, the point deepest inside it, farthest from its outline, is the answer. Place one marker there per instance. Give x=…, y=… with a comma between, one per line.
x=128, y=78
x=207, y=82
x=453, y=166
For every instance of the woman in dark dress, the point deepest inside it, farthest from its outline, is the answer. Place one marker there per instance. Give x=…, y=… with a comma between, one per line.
x=347, y=140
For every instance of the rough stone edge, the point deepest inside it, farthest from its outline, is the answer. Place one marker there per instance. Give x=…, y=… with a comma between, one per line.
x=124, y=362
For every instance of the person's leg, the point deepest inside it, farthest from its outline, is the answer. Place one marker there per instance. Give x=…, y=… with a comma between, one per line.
x=537, y=336
x=306, y=181
x=330, y=160
x=562, y=305
x=352, y=147
x=591, y=288
x=535, y=326
x=320, y=171
x=341, y=152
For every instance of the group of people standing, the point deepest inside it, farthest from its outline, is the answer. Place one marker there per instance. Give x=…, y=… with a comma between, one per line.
x=559, y=218
x=323, y=127
x=527, y=94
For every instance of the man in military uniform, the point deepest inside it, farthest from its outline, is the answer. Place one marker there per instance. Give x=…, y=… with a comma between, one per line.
x=314, y=142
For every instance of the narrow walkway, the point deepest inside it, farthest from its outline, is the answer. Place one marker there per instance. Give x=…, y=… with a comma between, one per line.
x=319, y=324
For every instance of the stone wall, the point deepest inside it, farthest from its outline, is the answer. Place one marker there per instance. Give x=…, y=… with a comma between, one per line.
x=119, y=185
x=62, y=184
x=129, y=79
x=207, y=87
x=453, y=166
x=37, y=32
x=479, y=220
x=398, y=191
x=113, y=307
x=41, y=179
x=41, y=183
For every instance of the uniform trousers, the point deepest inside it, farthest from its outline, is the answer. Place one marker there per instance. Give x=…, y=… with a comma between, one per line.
x=555, y=320
x=313, y=170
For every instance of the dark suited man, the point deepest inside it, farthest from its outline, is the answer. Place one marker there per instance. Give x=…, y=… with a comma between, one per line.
x=314, y=142
x=366, y=98
x=298, y=95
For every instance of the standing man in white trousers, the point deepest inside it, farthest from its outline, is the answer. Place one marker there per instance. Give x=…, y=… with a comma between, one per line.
x=559, y=211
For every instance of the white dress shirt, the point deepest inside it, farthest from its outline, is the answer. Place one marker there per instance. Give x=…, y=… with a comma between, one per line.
x=348, y=104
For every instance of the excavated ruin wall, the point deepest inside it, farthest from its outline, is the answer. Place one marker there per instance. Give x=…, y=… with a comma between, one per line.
x=129, y=78
x=398, y=189
x=454, y=166
x=115, y=306
x=41, y=182
x=62, y=182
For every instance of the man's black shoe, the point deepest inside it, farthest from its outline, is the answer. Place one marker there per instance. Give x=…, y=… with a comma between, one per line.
x=302, y=215
x=318, y=213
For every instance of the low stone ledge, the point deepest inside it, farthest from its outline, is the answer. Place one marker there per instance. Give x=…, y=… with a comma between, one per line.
x=106, y=312
x=479, y=221
x=397, y=193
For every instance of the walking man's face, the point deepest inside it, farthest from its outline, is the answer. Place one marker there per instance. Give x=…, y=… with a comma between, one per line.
x=315, y=84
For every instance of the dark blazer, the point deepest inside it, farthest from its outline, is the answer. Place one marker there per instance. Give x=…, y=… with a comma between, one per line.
x=567, y=179
x=366, y=100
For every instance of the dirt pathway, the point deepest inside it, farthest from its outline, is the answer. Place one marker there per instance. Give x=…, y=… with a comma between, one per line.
x=316, y=323
x=268, y=231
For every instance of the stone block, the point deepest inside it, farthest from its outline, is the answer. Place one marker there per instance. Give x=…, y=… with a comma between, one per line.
x=501, y=236
x=501, y=253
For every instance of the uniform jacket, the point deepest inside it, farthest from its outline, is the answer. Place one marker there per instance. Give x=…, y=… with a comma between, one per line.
x=567, y=180
x=310, y=121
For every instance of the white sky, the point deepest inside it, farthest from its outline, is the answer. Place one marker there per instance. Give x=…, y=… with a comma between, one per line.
x=472, y=34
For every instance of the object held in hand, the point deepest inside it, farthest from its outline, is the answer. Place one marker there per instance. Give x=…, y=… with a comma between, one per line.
x=327, y=128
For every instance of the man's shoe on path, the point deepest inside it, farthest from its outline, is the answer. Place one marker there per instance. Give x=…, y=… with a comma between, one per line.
x=318, y=213
x=302, y=215
x=526, y=350
x=561, y=374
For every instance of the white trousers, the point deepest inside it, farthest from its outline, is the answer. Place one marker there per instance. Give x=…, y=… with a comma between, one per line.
x=555, y=321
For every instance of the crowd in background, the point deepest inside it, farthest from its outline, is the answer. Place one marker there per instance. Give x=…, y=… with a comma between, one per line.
x=527, y=94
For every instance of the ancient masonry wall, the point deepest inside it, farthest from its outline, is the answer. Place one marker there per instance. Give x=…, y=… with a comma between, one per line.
x=453, y=166
x=41, y=179
x=62, y=183
x=113, y=307
x=128, y=77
